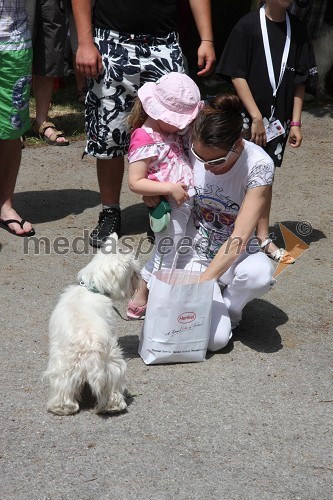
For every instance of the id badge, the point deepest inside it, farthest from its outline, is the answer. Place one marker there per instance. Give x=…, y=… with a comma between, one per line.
x=273, y=130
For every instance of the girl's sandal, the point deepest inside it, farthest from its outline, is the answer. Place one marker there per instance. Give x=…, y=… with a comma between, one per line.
x=52, y=139
x=136, y=312
x=280, y=255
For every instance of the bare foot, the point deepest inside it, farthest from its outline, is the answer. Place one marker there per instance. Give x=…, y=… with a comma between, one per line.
x=140, y=296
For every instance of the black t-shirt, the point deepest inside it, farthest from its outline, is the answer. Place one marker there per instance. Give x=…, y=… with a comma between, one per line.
x=244, y=57
x=153, y=17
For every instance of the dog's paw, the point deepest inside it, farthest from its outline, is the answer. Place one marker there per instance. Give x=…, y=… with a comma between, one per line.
x=64, y=409
x=114, y=405
x=121, y=406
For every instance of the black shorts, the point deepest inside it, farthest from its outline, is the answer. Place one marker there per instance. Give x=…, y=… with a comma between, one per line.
x=47, y=20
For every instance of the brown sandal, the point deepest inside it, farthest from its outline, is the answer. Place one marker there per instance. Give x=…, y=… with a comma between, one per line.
x=52, y=140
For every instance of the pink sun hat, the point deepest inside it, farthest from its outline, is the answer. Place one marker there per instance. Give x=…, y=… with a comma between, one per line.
x=174, y=98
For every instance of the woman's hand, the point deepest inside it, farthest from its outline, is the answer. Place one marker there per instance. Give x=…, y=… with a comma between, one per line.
x=295, y=137
x=258, y=132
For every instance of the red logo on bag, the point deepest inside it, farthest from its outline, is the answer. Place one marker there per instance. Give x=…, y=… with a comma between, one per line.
x=186, y=317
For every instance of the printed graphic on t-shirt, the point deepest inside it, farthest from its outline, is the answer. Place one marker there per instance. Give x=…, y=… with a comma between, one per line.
x=217, y=201
x=262, y=174
x=215, y=216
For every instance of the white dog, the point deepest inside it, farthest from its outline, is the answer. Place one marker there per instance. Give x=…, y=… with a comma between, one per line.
x=83, y=343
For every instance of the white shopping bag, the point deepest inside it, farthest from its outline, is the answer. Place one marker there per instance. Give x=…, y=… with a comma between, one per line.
x=178, y=316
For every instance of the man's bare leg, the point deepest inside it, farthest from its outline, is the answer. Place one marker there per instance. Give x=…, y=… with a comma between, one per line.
x=10, y=159
x=43, y=89
x=110, y=175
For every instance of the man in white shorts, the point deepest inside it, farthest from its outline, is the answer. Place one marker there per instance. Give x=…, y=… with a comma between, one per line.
x=127, y=44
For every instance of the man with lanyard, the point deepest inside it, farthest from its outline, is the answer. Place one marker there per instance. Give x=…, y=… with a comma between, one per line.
x=129, y=44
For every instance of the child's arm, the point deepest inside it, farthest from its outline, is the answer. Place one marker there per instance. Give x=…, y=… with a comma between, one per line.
x=295, y=135
x=258, y=134
x=138, y=183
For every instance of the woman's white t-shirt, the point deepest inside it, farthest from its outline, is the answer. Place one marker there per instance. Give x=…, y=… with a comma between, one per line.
x=219, y=197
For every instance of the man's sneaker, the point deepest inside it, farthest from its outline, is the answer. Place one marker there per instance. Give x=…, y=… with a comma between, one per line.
x=109, y=222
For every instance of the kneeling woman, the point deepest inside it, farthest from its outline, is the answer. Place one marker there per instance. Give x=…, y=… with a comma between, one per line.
x=232, y=178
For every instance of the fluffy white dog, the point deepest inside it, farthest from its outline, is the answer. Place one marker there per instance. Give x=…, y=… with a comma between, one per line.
x=83, y=342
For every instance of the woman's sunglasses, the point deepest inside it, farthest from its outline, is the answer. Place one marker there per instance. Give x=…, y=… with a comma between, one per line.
x=217, y=161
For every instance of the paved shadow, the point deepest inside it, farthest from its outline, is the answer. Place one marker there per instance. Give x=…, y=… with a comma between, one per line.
x=259, y=327
x=129, y=345
x=301, y=229
x=320, y=107
x=134, y=219
x=47, y=206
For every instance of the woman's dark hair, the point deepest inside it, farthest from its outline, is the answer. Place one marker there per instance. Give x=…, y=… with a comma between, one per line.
x=219, y=124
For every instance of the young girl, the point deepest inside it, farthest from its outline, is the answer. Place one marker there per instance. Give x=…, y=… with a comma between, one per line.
x=268, y=59
x=159, y=165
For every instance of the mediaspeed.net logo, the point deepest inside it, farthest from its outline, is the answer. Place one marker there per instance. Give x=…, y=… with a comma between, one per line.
x=293, y=244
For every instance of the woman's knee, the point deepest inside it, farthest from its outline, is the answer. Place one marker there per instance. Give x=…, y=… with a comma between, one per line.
x=219, y=340
x=220, y=329
x=258, y=273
